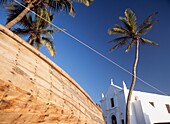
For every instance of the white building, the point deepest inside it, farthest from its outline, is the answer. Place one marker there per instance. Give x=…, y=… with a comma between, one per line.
x=146, y=108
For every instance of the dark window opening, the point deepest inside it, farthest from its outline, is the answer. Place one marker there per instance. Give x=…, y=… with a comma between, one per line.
x=114, y=121
x=152, y=103
x=122, y=121
x=112, y=102
x=168, y=107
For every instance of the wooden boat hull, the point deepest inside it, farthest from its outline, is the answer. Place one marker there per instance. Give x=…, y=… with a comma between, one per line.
x=35, y=90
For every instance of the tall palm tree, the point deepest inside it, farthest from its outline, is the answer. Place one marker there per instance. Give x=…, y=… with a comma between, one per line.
x=38, y=31
x=56, y=5
x=131, y=35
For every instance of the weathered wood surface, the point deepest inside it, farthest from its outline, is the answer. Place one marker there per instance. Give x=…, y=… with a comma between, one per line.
x=35, y=90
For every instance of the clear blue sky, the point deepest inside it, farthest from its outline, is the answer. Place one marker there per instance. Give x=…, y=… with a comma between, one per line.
x=90, y=25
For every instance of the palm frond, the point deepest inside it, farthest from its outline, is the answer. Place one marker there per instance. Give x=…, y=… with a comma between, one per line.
x=37, y=43
x=47, y=33
x=13, y=11
x=38, y=19
x=121, y=43
x=125, y=22
x=119, y=39
x=131, y=19
x=61, y=5
x=43, y=14
x=85, y=2
x=48, y=17
x=122, y=28
x=27, y=21
x=52, y=4
x=147, y=20
x=146, y=28
x=148, y=41
x=119, y=31
x=21, y=32
x=70, y=8
x=130, y=45
x=2, y=2
x=49, y=44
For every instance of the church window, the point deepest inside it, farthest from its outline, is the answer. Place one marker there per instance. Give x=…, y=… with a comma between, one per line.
x=114, y=121
x=168, y=108
x=152, y=103
x=122, y=121
x=112, y=102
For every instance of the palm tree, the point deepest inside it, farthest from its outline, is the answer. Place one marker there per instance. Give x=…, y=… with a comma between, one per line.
x=131, y=35
x=14, y=9
x=38, y=31
x=56, y=5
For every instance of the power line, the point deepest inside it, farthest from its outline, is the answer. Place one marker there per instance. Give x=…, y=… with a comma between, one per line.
x=73, y=37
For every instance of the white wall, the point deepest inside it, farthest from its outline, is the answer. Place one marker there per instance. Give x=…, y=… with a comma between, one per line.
x=142, y=112
x=119, y=104
x=159, y=112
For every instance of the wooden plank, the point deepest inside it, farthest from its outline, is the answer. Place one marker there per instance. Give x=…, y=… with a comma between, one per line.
x=35, y=90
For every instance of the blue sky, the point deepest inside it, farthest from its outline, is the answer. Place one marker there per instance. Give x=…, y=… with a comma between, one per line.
x=90, y=25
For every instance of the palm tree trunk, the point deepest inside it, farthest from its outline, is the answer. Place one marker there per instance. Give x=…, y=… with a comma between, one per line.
x=30, y=41
x=132, y=84
x=20, y=16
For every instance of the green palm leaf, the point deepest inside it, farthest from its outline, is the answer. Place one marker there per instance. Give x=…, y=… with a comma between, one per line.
x=49, y=44
x=26, y=21
x=119, y=39
x=37, y=44
x=117, y=30
x=147, y=20
x=122, y=28
x=146, y=28
x=43, y=13
x=47, y=32
x=70, y=8
x=131, y=19
x=5, y=2
x=130, y=45
x=13, y=10
x=60, y=5
x=148, y=41
x=121, y=43
x=125, y=22
x=86, y=2
x=21, y=32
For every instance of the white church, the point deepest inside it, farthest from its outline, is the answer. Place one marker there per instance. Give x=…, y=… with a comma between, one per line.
x=146, y=108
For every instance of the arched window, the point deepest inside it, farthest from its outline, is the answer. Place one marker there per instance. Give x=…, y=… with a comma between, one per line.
x=114, y=119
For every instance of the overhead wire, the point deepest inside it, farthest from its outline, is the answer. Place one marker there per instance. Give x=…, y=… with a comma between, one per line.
x=92, y=49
